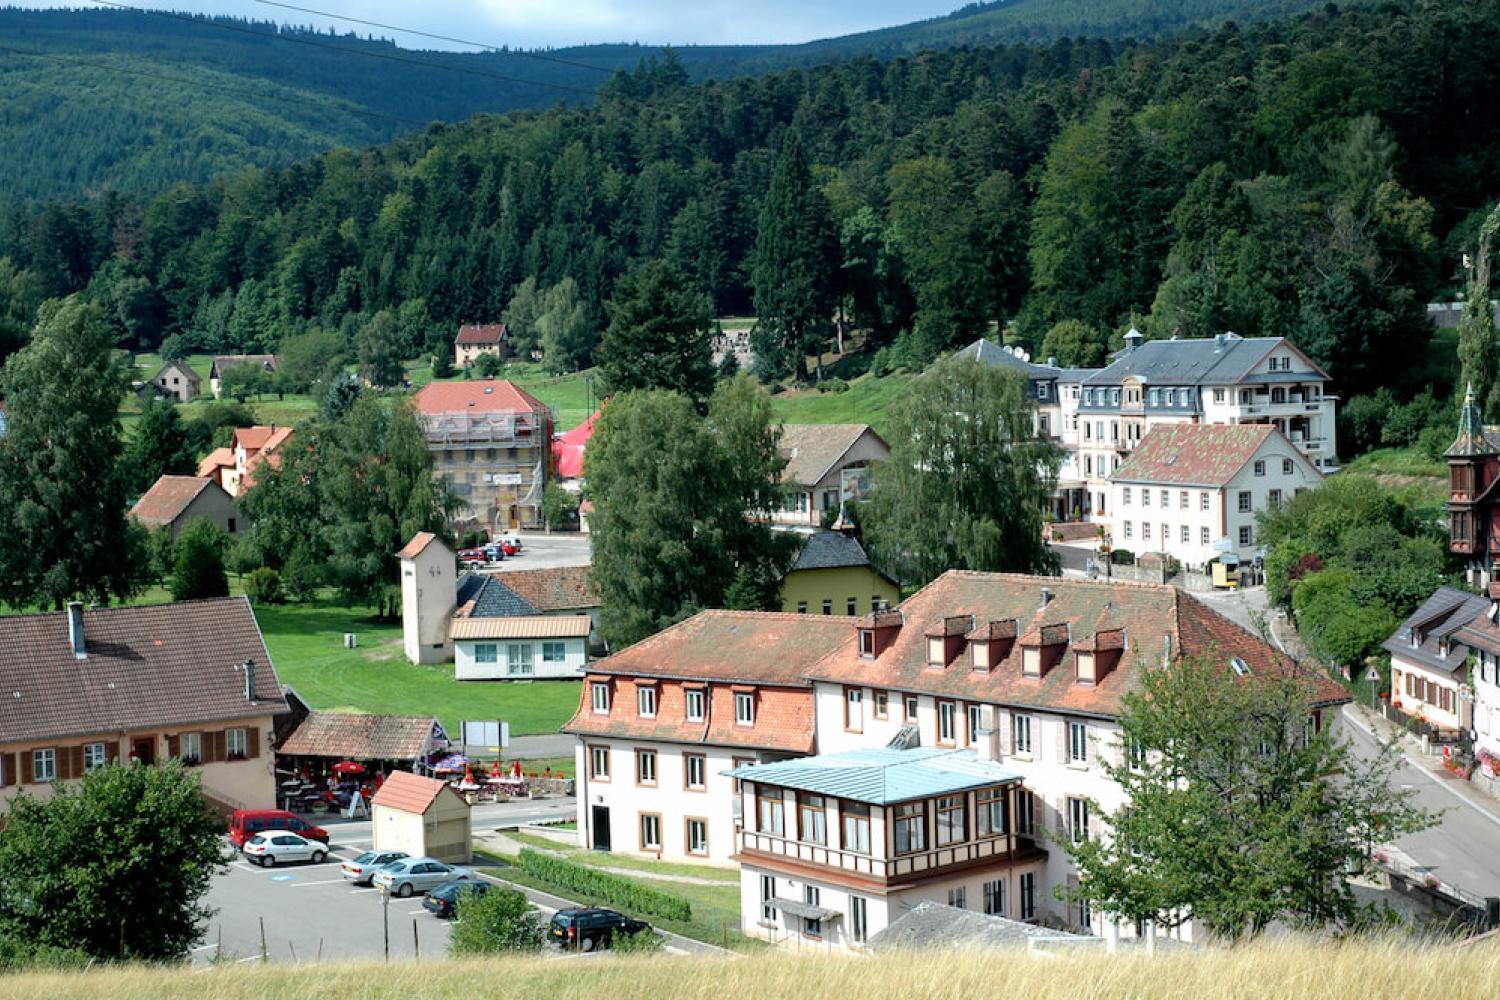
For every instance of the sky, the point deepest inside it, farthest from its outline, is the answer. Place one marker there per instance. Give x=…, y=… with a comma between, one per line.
x=553, y=23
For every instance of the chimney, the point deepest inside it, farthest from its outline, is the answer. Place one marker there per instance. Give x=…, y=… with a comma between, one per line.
x=249, y=668
x=1046, y=597
x=75, y=630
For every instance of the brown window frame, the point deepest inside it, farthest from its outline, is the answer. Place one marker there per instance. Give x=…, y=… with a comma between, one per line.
x=640, y=832
x=881, y=706
x=655, y=769
x=818, y=809
x=777, y=795
x=855, y=810
x=852, y=696
x=594, y=774
x=687, y=836
x=687, y=772
x=960, y=805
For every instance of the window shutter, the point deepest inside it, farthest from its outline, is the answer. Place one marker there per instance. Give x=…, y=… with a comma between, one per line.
x=27, y=774
x=112, y=751
x=76, y=755
x=1007, y=735
x=174, y=746
x=213, y=747
x=63, y=764
x=252, y=742
x=7, y=769
x=1061, y=725
x=1060, y=815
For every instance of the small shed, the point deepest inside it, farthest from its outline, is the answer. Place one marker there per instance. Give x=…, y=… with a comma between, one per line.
x=423, y=817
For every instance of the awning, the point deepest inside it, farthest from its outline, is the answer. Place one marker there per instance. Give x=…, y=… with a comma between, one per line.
x=805, y=910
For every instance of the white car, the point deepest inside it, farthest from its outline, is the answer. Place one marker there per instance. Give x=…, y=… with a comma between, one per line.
x=402, y=878
x=275, y=846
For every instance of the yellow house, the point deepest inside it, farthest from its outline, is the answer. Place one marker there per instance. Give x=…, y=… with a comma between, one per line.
x=423, y=817
x=834, y=576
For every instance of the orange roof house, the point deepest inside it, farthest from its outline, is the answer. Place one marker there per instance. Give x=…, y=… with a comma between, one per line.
x=174, y=501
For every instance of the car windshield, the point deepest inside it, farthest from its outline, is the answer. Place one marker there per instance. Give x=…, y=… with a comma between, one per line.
x=259, y=838
x=365, y=858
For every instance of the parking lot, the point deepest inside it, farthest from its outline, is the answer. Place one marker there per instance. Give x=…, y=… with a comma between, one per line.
x=309, y=910
x=542, y=551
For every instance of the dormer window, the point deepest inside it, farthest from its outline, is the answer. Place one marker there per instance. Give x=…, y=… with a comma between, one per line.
x=599, y=691
x=646, y=702
x=867, y=642
x=935, y=651
x=1443, y=647
x=981, y=652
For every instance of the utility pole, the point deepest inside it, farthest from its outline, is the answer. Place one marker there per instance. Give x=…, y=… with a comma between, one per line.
x=385, y=909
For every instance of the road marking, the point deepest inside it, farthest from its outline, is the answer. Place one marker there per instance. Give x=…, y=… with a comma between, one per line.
x=246, y=865
x=415, y=913
x=252, y=958
x=1350, y=717
x=205, y=947
x=375, y=889
x=326, y=881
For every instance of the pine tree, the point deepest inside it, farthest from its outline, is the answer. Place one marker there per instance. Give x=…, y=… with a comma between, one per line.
x=62, y=491
x=658, y=335
x=793, y=268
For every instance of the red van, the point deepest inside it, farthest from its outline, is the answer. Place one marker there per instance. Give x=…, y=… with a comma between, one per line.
x=246, y=823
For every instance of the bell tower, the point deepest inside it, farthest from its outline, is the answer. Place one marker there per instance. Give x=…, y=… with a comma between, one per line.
x=1471, y=470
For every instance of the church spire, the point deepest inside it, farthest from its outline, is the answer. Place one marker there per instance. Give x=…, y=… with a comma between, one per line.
x=1471, y=441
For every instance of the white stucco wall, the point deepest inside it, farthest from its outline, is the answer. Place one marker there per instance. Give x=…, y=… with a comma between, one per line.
x=467, y=668
x=429, y=586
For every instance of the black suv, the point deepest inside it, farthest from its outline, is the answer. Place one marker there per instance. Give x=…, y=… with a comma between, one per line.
x=444, y=900
x=591, y=927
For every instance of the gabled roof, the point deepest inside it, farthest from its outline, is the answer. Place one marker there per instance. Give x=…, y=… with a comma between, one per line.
x=260, y=437
x=482, y=595
x=814, y=450
x=933, y=925
x=477, y=396
x=1195, y=454
x=481, y=334
x=145, y=667
x=219, y=458
x=832, y=550
x=557, y=588
x=359, y=737
x=169, y=497
x=409, y=792
x=986, y=352
x=1155, y=621
x=182, y=367
x=756, y=647
x=882, y=775
x=783, y=716
x=1221, y=360
x=1447, y=614
x=569, y=447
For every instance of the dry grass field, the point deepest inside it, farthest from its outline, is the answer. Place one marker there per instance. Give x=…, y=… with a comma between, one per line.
x=1356, y=971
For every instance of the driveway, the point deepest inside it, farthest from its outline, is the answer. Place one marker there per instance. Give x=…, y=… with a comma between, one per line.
x=543, y=551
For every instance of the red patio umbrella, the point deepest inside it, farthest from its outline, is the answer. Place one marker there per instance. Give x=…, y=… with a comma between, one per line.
x=495, y=768
x=348, y=767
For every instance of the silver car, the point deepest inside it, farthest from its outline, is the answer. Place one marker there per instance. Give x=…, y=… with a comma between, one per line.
x=275, y=846
x=409, y=875
x=362, y=869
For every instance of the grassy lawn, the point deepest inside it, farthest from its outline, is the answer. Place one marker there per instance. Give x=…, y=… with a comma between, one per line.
x=306, y=644
x=1397, y=462
x=867, y=401
x=646, y=866
x=716, y=909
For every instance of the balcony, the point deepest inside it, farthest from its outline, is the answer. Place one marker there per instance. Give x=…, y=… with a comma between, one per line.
x=906, y=868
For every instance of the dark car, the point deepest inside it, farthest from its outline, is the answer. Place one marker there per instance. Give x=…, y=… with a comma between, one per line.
x=591, y=927
x=444, y=900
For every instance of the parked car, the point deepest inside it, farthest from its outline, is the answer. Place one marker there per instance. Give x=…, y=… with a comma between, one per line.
x=471, y=557
x=512, y=541
x=444, y=900
x=496, y=552
x=246, y=823
x=402, y=878
x=276, y=846
x=587, y=928
x=362, y=869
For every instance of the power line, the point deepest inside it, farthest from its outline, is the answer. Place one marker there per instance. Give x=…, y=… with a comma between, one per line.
x=342, y=106
x=441, y=38
x=226, y=26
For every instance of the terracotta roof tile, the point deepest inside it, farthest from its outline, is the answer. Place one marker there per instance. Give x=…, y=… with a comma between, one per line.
x=168, y=497
x=1153, y=622
x=757, y=647
x=219, y=458
x=783, y=717
x=882, y=619
x=1193, y=454
x=994, y=631
x=481, y=334
x=521, y=627
x=359, y=737
x=561, y=588
x=471, y=396
x=151, y=666
x=951, y=625
x=409, y=792
x=418, y=543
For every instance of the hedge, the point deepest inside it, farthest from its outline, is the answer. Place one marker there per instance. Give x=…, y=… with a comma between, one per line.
x=622, y=892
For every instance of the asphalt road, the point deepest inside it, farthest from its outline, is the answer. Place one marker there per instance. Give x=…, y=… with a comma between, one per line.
x=543, y=551
x=309, y=911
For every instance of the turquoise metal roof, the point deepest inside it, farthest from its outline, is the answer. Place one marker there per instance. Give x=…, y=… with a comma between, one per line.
x=881, y=776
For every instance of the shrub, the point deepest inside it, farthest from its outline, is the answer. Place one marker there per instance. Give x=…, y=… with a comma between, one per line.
x=263, y=586
x=833, y=385
x=500, y=920
x=442, y=365
x=1122, y=557
x=198, y=567
x=622, y=892
x=640, y=943
x=559, y=506
x=487, y=365
x=474, y=537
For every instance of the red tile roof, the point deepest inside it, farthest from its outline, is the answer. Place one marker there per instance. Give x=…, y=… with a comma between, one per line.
x=261, y=437
x=1147, y=621
x=561, y=588
x=145, y=667
x=418, y=542
x=219, y=458
x=1194, y=454
x=481, y=334
x=409, y=792
x=359, y=737
x=479, y=396
x=168, y=497
x=756, y=647
x=783, y=717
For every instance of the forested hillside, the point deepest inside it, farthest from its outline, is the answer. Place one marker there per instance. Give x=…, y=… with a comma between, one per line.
x=1306, y=177
x=136, y=101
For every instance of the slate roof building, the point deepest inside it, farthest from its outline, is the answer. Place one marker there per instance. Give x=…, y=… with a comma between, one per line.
x=1430, y=669
x=475, y=339
x=492, y=441
x=826, y=465
x=660, y=722
x=562, y=590
x=173, y=502
x=192, y=680
x=838, y=845
x=1192, y=491
x=832, y=573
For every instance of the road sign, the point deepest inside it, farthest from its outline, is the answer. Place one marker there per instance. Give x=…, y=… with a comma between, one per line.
x=1372, y=676
x=494, y=735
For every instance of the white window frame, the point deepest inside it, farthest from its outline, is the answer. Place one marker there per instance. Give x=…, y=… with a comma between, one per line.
x=520, y=659
x=1023, y=735
x=44, y=765
x=994, y=897
x=744, y=708
x=1247, y=534
x=767, y=893
x=645, y=701
x=854, y=709
x=554, y=652
x=653, y=821
x=486, y=652
x=947, y=722
x=190, y=745
x=599, y=692
x=95, y=755
x=1078, y=819
x=695, y=771
x=599, y=763
x=692, y=708
x=647, y=758
x=694, y=845
x=1078, y=743
x=236, y=742
x=859, y=917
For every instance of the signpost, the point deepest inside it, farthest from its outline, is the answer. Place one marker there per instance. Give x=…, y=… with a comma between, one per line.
x=492, y=736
